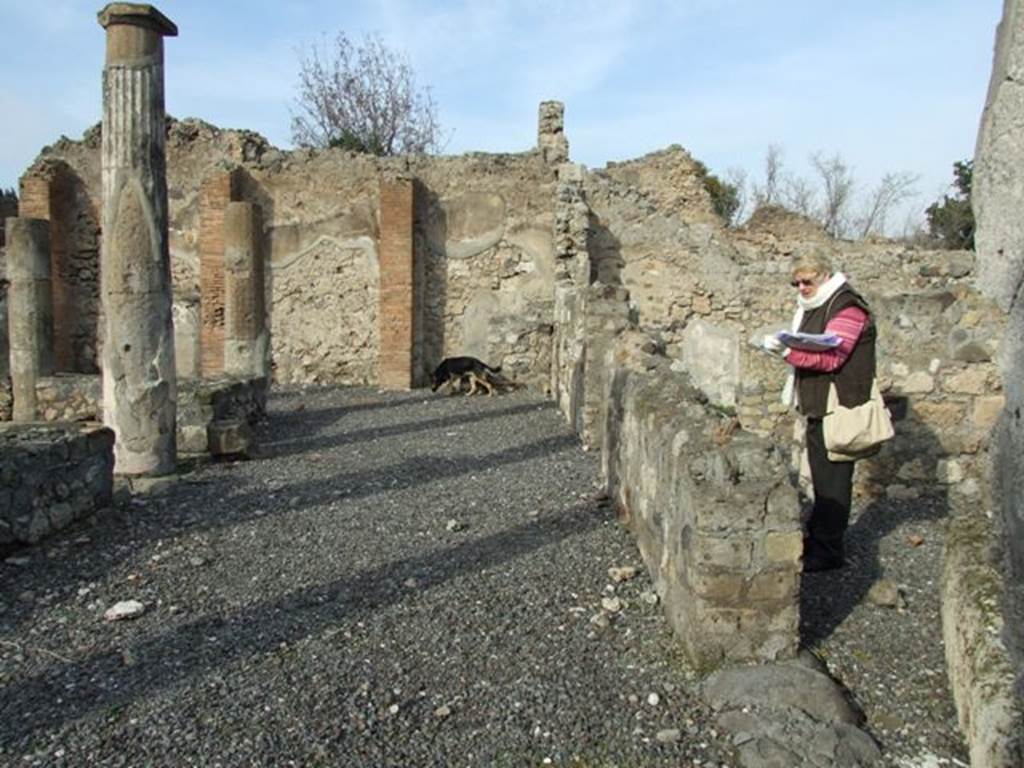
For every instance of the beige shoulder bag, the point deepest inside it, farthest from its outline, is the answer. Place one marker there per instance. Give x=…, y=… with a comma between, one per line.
x=857, y=432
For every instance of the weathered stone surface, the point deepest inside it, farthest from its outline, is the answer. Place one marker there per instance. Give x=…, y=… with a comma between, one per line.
x=787, y=684
x=980, y=668
x=990, y=702
x=229, y=438
x=201, y=404
x=779, y=739
x=697, y=494
x=711, y=356
x=138, y=353
x=30, y=300
x=51, y=475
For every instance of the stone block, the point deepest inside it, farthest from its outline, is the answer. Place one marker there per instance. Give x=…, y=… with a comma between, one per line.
x=939, y=416
x=985, y=412
x=718, y=587
x=916, y=383
x=972, y=381
x=192, y=438
x=773, y=586
x=784, y=547
x=733, y=552
x=949, y=471
x=229, y=438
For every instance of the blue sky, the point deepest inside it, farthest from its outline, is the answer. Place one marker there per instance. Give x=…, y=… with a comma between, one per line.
x=891, y=85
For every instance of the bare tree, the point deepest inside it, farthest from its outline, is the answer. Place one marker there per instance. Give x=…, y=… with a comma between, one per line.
x=797, y=194
x=838, y=185
x=363, y=97
x=736, y=177
x=892, y=190
x=773, y=178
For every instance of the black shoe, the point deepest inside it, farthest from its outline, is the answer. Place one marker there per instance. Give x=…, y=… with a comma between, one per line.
x=820, y=557
x=815, y=562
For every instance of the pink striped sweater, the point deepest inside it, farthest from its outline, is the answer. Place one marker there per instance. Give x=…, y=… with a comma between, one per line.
x=847, y=324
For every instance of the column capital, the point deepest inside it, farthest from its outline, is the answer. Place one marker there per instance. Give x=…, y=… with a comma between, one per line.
x=137, y=15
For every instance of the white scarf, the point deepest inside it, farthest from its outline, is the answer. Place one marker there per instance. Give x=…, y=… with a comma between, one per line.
x=825, y=292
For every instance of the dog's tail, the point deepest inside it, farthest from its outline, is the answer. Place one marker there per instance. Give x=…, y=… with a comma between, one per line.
x=492, y=369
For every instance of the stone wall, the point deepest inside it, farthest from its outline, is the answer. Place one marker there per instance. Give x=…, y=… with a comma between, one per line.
x=984, y=607
x=69, y=397
x=713, y=512
x=51, y=475
x=482, y=242
x=203, y=404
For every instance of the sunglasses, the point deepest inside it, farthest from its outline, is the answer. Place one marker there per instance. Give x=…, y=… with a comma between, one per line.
x=802, y=281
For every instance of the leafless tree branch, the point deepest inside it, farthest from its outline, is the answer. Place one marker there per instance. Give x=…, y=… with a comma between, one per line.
x=362, y=97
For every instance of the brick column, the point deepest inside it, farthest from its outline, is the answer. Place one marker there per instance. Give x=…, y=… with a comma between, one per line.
x=30, y=308
x=218, y=189
x=396, y=284
x=245, y=328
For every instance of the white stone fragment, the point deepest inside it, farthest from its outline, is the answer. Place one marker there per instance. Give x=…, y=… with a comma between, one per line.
x=611, y=604
x=126, y=609
x=624, y=573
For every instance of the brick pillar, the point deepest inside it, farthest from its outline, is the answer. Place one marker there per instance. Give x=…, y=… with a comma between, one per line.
x=396, y=284
x=218, y=189
x=245, y=328
x=30, y=306
x=43, y=196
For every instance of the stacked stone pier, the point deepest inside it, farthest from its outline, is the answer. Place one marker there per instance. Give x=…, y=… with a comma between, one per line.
x=30, y=304
x=139, y=380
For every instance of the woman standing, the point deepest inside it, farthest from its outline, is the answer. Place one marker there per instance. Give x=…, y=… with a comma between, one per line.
x=827, y=304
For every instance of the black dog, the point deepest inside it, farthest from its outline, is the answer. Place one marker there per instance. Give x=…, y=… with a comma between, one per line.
x=453, y=370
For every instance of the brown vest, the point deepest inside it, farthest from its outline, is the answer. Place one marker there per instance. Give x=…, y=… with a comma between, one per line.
x=853, y=379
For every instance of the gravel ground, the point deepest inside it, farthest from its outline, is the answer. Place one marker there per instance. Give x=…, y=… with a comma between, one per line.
x=891, y=658
x=411, y=580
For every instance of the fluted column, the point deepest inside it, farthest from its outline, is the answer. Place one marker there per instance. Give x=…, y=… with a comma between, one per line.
x=30, y=309
x=245, y=329
x=139, y=382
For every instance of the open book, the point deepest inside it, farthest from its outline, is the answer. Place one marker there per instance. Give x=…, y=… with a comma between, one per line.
x=811, y=342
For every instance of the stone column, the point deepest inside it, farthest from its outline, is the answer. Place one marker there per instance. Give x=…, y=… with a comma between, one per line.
x=30, y=303
x=551, y=139
x=245, y=332
x=139, y=382
x=397, y=271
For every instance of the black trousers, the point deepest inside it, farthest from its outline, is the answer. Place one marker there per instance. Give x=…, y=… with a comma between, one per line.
x=833, y=493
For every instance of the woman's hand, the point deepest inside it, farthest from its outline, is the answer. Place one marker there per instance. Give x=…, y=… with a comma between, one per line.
x=772, y=345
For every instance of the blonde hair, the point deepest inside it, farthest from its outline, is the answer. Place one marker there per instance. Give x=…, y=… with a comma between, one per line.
x=813, y=261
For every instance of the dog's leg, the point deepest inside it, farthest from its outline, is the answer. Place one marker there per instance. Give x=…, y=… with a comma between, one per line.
x=472, y=384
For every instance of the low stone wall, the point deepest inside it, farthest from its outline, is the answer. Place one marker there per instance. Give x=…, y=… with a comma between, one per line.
x=70, y=397
x=6, y=399
x=203, y=403
x=981, y=673
x=713, y=511
x=51, y=475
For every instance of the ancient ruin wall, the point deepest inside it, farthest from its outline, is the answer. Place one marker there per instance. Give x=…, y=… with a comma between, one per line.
x=482, y=241
x=983, y=621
